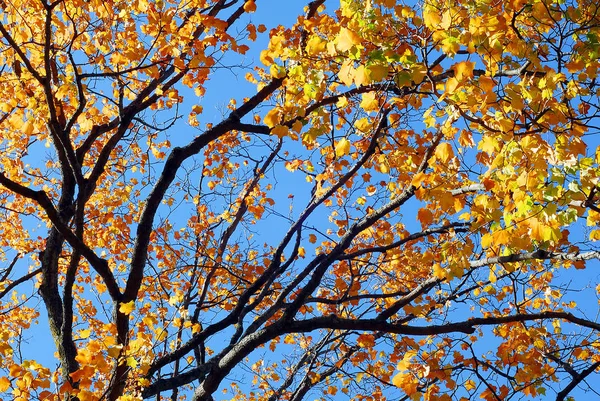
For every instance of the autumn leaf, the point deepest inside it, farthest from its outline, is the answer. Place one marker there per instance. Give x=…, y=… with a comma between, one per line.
x=444, y=152
x=83, y=334
x=346, y=73
x=4, y=384
x=361, y=76
x=131, y=362
x=250, y=6
x=315, y=45
x=280, y=131
x=347, y=39
x=127, y=308
x=369, y=102
x=273, y=117
x=277, y=71
x=342, y=147
x=378, y=72
x=464, y=70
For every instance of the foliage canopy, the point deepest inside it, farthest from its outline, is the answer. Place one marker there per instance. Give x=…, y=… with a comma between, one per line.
x=403, y=207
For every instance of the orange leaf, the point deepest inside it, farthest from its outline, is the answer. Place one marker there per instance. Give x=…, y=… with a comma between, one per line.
x=4, y=384
x=464, y=70
x=273, y=117
x=250, y=6
x=280, y=131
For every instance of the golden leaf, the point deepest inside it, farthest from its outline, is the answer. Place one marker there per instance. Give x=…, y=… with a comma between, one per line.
x=346, y=73
x=4, y=384
x=347, y=39
x=342, y=147
x=281, y=131
x=273, y=117
x=444, y=152
x=127, y=308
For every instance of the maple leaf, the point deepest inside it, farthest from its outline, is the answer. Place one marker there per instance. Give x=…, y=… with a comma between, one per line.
x=444, y=152
x=342, y=147
x=127, y=308
x=347, y=39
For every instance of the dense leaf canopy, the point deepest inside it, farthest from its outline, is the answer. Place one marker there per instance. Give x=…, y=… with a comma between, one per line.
x=392, y=201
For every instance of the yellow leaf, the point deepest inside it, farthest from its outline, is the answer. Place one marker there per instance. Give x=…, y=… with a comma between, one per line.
x=369, y=102
x=418, y=73
x=595, y=235
x=439, y=271
x=315, y=45
x=452, y=85
x=342, y=147
x=552, y=234
x=84, y=395
x=405, y=362
x=27, y=128
x=131, y=362
x=127, y=308
x=266, y=58
x=83, y=334
x=444, y=152
x=501, y=237
x=361, y=77
x=536, y=229
x=446, y=21
x=487, y=240
x=347, y=39
x=277, y=71
x=432, y=17
x=346, y=74
x=363, y=124
x=488, y=144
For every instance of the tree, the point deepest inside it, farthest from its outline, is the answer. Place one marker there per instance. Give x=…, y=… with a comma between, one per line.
x=404, y=208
